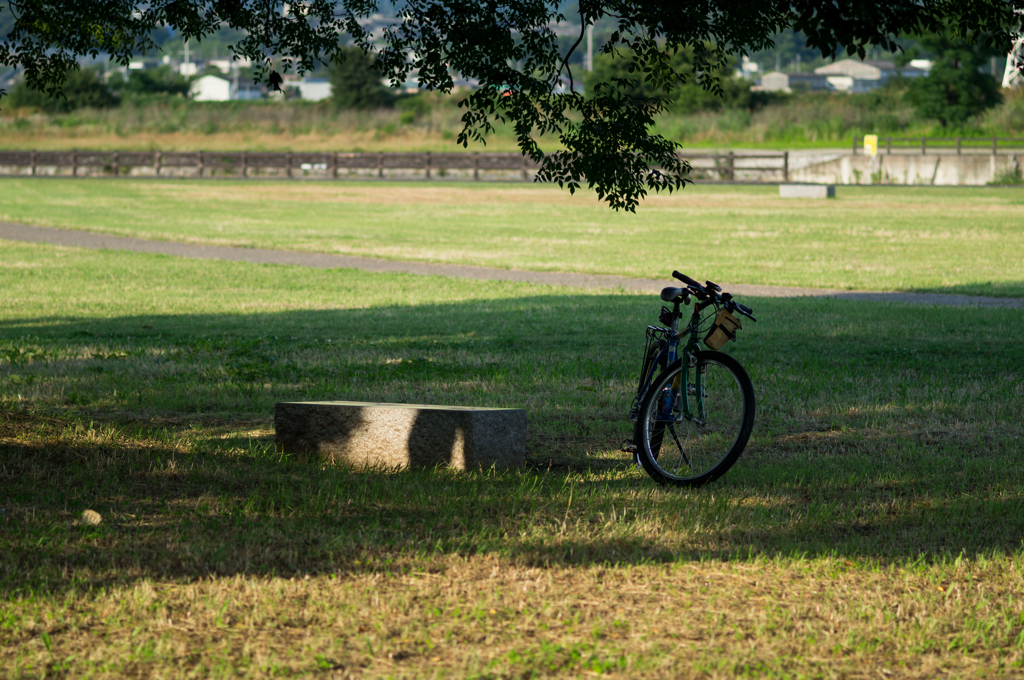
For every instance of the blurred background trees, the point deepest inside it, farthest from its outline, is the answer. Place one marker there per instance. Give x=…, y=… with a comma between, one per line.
x=960, y=85
x=83, y=88
x=356, y=83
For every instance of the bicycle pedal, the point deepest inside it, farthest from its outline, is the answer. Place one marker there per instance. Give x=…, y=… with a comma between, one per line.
x=628, y=447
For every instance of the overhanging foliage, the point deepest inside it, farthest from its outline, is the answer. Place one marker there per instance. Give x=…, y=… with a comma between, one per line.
x=510, y=48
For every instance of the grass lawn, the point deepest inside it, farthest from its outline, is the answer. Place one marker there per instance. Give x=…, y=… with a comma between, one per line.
x=963, y=240
x=874, y=526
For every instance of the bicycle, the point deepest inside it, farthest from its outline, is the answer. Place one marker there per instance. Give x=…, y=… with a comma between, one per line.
x=703, y=399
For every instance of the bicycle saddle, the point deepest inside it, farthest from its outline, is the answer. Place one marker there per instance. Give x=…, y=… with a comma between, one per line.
x=671, y=294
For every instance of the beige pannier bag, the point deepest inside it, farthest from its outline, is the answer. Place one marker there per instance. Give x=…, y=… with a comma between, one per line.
x=723, y=330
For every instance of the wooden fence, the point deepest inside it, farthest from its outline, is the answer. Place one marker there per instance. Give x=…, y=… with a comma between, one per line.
x=720, y=167
x=924, y=145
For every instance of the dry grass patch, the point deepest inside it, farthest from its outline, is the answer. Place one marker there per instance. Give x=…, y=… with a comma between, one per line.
x=486, y=617
x=873, y=523
x=369, y=192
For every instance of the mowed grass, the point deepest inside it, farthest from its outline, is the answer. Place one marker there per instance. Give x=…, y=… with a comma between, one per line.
x=962, y=240
x=873, y=527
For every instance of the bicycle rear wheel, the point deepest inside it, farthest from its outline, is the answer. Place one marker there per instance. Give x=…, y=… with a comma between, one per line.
x=695, y=421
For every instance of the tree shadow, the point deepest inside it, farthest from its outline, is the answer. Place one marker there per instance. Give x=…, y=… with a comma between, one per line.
x=869, y=477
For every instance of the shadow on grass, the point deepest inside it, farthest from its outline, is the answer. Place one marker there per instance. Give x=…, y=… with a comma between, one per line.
x=898, y=476
x=173, y=515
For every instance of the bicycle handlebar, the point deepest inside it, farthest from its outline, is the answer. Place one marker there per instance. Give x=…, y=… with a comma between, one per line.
x=712, y=291
x=688, y=281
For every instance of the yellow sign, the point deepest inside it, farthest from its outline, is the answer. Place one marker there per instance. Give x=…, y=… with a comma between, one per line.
x=870, y=145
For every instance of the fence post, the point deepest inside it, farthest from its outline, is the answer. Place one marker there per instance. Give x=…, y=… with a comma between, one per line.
x=245, y=164
x=202, y=164
x=156, y=162
x=732, y=166
x=785, y=166
x=888, y=146
x=958, y=146
x=428, y=165
x=476, y=165
x=924, y=142
x=32, y=163
x=995, y=145
x=855, y=145
x=524, y=167
x=117, y=163
x=380, y=165
x=74, y=164
x=288, y=163
x=334, y=165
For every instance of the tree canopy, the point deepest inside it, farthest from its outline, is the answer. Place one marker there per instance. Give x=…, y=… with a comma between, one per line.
x=355, y=82
x=957, y=87
x=510, y=48
x=83, y=88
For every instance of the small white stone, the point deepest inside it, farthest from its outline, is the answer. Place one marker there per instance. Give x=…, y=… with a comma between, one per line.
x=91, y=517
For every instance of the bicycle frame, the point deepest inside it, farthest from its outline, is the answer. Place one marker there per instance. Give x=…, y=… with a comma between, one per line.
x=668, y=355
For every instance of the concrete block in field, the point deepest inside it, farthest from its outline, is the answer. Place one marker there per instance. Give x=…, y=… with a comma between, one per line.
x=402, y=435
x=807, y=190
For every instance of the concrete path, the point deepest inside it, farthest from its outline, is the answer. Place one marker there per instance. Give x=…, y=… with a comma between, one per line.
x=84, y=239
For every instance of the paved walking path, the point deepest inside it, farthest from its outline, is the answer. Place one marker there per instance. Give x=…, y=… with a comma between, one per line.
x=84, y=239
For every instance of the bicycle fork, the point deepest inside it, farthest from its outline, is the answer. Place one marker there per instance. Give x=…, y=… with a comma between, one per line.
x=695, y=389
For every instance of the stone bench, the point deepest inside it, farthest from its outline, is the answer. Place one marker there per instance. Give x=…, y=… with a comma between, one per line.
x=402, y=435
x=807, y=190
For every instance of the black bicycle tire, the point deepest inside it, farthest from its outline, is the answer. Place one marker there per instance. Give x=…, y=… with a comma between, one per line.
x=643, y=451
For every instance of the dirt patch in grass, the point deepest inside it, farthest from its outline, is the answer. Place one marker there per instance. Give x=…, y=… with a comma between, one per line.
x=372, y=193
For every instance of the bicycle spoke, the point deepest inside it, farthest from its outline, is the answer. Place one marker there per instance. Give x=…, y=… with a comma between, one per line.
x=700, y=448
x=682, y=451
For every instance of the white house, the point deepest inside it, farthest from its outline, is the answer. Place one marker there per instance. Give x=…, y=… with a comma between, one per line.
x=787, y=82
x=854, y=75
x=210, y=89
x=314, y=89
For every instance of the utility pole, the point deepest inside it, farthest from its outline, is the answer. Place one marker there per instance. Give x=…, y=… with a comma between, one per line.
x=589, y=66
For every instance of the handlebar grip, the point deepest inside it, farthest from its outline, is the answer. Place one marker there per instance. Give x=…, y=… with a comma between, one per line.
x=745, y=311
x=687, y=280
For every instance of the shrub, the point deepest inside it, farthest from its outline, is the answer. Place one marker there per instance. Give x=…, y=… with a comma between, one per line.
x=82, y=89
x=356, y=83
x=956, y=89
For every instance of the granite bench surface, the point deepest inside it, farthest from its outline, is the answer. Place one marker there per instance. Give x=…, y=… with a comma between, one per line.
x=384, y=435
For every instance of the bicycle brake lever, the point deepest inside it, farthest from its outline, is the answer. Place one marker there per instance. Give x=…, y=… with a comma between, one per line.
x=733, y=306
x=747, y=313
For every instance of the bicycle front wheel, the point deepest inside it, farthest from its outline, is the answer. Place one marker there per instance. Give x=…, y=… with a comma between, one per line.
x=695, y=421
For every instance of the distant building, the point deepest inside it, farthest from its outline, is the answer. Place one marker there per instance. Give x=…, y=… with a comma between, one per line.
x=924, y=64
x=143, y=64
x=247, y=91
x=747, y=69
x=854, y=75
x=314, y=89
x=210, y=89
x=223, y=65
x=788, y=82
